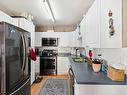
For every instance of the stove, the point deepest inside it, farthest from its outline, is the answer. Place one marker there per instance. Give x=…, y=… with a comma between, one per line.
x=48, y=53
x=48, y=62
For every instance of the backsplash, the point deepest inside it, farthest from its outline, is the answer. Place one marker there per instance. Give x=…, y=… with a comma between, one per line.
x=113, y=56
x=64, y=50
x=71, y=50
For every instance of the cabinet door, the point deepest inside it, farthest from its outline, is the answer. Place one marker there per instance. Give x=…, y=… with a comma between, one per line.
x=66, y=39
x=77, y=39
x=62, y=65
x=32, y=71
x=24, y=24
x=37, y=65
x=15, y=21
x=40, y=35
x=4, y=17
x=63, y=41
x=32, y=33
x=83, y=31
x=71, y=39
x=93, y=25
x=114, y=41
x=82, y=26
x=74, y=37
x=80, y=89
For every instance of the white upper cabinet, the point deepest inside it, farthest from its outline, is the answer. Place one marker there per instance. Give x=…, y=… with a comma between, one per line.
x=97, y=21
x=4, y=17
x=65, y=38
x=83, y=31
x=25, y=24
x=77, y=38
x=91, y=26
x=40, y=35
x=38, y=39
x=114, y=41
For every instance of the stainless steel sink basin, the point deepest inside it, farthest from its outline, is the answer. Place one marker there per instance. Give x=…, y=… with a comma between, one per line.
x=78, y=59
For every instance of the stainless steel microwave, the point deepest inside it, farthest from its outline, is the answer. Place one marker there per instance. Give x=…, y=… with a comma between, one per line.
x=49, y=41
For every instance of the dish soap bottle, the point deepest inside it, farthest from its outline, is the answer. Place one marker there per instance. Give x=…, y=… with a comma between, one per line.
x=90, y=54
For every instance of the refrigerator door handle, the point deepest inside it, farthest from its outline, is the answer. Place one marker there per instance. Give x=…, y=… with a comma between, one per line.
x=25, y=52
x=24, y=55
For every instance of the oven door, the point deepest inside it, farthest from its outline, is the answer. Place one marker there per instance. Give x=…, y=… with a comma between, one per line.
x=47, y=65
x=15, y=58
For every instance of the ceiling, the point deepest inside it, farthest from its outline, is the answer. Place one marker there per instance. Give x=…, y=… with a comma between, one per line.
x=66, y=12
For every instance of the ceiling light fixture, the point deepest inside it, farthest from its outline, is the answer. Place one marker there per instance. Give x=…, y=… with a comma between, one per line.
x=49, y=10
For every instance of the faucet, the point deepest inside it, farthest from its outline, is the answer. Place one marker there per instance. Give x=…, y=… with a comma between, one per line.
x=83, y=49
x=76, y=52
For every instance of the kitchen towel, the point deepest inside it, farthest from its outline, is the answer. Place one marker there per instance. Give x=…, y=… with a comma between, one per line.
x=32, y=54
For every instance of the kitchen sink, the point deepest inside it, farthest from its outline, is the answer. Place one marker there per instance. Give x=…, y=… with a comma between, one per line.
x=78, y=59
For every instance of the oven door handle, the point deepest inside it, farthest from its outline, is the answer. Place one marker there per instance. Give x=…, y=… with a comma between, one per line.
x=71, y=73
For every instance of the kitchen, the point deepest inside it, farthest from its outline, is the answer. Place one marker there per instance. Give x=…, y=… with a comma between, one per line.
x=66, y=46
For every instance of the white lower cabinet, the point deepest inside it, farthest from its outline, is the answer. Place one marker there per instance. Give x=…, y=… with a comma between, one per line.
x=62, y=65
x=32, y=71
x=37, y=65
x=82, y=89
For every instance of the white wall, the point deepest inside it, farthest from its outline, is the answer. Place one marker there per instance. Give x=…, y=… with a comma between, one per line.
x=124, y=57
x=113, y=56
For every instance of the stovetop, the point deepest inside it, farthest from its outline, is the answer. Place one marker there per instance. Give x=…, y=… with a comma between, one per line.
x=48, y=53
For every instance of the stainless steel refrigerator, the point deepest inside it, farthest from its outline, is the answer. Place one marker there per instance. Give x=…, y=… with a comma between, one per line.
x=14, y=60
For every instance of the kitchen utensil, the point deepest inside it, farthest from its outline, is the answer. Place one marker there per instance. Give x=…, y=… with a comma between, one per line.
x=96, y=65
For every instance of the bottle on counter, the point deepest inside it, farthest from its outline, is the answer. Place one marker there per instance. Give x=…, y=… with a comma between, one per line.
x=83, y=53
x=96, y=65
x=90, y=54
